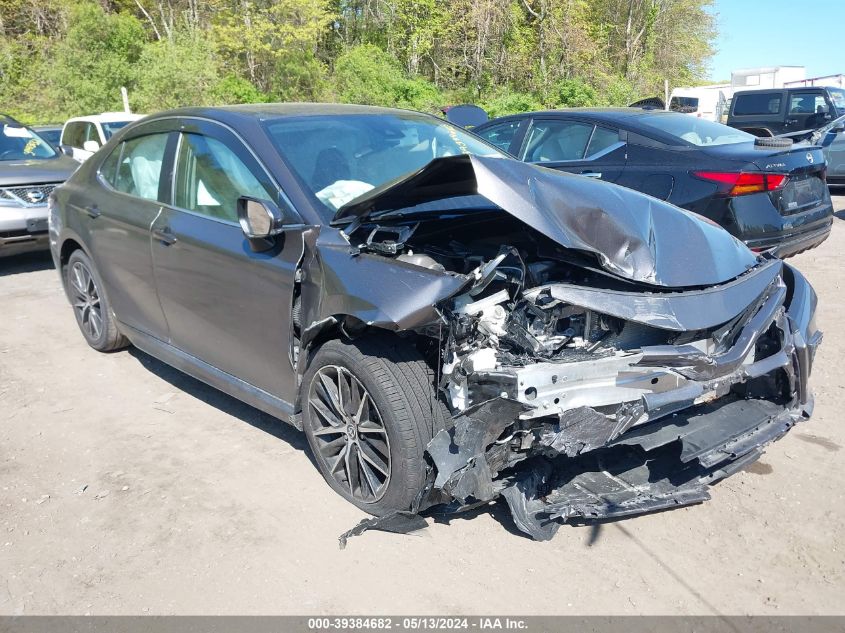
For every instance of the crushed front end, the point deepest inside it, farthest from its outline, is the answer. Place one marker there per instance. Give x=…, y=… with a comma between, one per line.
x=601, y=353
x=576, y=404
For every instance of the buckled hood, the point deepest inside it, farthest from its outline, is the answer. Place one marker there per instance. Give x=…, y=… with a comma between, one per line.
x=634, y=236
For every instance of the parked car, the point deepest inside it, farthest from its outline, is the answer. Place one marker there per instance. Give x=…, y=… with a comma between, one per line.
x=433, y=313
x=783, y=110
x=30, y=168
x=84, y=135
x=50, y=133
x=831, y=138
x=768, y=197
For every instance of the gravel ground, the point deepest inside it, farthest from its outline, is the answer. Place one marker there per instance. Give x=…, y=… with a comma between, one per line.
x=127, y=488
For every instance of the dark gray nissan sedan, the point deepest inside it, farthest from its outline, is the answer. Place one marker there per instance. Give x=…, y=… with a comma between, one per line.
x=447, y=325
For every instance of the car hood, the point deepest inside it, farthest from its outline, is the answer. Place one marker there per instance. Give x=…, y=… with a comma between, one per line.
x=634, y=236
x=36, y=171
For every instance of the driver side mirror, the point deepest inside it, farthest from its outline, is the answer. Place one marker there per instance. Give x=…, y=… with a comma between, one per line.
x=67, y=150
x=260, y=220
x=90, y=146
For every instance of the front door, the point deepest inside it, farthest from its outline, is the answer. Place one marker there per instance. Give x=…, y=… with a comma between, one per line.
x=225, y=304
x=578, y=147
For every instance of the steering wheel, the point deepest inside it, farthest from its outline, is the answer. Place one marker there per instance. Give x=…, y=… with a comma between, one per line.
x=6, y=153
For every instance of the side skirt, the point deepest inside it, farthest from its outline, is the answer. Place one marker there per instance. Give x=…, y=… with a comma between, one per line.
x=210, y=375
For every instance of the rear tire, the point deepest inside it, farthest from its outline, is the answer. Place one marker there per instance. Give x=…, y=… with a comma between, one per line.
x=90, y=305
x=371, y=448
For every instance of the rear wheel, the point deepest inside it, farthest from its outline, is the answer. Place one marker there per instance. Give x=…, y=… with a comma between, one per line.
x=369, y=410
x=90, y=306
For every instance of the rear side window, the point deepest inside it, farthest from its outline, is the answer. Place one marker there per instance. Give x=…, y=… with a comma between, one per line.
x=500, y=135
x=134, y=167
x=553, y=141
x=757, y=103
x=210, y=178
x=602, y=140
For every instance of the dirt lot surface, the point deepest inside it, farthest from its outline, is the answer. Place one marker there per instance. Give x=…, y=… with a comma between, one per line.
x=128, y=488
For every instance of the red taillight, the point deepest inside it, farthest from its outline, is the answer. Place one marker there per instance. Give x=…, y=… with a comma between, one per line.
x=743, y=182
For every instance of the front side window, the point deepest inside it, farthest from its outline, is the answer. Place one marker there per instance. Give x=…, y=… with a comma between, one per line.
x=134, y=167
x=74, y=134
x=837, y=95
x=500, y=135
x=806, y=102
x=552, y=141
x=210, y=178
x=20, y=143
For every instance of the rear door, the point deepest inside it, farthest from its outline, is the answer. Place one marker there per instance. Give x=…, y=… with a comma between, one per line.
x=575, y=146
x=119, y=216
x=225, y=304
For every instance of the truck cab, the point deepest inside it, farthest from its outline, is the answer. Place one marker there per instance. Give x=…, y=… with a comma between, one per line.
x=784, y=110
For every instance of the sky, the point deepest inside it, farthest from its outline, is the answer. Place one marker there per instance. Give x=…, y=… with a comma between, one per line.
x=755, y=33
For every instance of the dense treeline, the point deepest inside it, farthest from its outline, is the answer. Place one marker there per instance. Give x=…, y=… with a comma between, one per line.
x=60, y=58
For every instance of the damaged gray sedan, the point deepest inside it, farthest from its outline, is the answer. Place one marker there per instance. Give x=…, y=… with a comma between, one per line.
x=446, y=325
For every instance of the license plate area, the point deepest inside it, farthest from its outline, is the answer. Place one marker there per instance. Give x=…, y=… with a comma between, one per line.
x=801, y=193
x=36, y=226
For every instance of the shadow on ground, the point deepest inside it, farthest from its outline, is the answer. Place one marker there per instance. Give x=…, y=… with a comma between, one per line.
x=223, y=402
x=27, y=263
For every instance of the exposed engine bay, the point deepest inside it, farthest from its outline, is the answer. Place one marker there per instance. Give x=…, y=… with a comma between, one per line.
x=573, y=394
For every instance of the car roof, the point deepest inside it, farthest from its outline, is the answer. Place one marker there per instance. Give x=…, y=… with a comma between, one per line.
x=608, y=114
x=107, y=117
x=264, y=111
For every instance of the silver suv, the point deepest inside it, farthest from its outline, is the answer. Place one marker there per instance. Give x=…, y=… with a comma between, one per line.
x=29, y=171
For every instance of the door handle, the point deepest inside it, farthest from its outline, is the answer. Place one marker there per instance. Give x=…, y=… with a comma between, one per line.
x=791, y=121
x=591, y=174
x=165, y=236
x=93, y=212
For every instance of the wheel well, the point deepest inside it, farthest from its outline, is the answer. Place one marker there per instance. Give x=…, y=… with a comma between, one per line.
x=68, y=246
x=758, y=131
x=347, y=327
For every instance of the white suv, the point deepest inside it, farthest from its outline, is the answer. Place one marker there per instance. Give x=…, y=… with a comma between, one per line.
x=84, y=135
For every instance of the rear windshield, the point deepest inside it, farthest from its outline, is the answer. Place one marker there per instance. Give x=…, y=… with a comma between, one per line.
x=695, y=131
x=757, y=103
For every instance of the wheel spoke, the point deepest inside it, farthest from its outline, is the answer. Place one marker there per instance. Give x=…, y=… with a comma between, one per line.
x=332, y=393
x=373, y=460
x=329, y=416
x=339, y=458
x=372, y=481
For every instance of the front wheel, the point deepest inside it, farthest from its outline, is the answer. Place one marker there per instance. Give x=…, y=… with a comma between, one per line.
x=90, y=306
x=369, y=409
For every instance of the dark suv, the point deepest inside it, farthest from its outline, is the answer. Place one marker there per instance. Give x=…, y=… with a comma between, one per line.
x=446, y=324
x=784, y=110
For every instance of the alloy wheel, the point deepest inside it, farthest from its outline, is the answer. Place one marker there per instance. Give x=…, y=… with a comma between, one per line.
x=349, y=433
x=86, y=301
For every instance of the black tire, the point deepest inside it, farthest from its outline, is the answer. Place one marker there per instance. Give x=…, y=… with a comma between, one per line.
x=772, y=141
x=401, y=386
x=90, y=304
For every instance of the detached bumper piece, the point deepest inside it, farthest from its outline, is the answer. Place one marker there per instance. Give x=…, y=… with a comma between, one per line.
x=665, y=465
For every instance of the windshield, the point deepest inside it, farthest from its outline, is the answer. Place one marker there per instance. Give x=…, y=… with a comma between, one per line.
x=695, y=131
x=20, y=143
x=683, y=104
x=113, y=126
x=340, y=157
x=837, y=95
